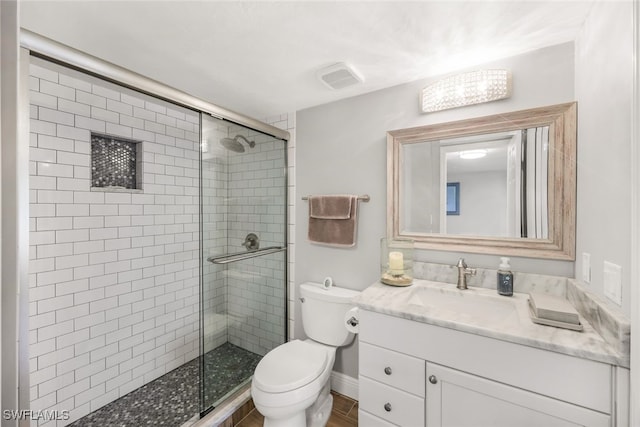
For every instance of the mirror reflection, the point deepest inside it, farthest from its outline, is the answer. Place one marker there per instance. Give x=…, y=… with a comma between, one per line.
x=480, y=185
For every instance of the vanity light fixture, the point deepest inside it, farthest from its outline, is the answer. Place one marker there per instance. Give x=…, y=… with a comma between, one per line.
x=474, y=87
x=473, y=154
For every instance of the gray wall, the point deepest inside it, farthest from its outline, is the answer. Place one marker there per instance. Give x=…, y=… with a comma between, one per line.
x=604, y=89
x=341, y=148
x=483, y=204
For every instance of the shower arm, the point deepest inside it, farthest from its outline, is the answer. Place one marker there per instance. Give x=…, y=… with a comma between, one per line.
x=239, y=256
x=249, y=143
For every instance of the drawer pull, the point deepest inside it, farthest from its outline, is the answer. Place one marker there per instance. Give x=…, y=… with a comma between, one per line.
x=433, y=379
x=387, y=407
x=387, y=370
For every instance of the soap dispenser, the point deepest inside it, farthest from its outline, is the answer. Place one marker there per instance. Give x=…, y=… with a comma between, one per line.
x=505, y=278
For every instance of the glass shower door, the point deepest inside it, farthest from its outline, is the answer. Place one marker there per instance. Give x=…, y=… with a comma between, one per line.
x=243, y=255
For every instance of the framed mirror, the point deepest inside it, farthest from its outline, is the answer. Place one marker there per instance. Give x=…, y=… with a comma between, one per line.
x=503, y=184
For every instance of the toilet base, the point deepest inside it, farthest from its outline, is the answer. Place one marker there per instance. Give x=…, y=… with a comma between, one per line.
x=318, y=414
x=296, y=420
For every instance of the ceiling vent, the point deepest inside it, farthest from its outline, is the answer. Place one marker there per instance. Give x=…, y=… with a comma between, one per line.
x=338, y=76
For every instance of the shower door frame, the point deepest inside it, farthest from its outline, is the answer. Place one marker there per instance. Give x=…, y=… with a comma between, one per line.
x=52, y=50
x=285, y=249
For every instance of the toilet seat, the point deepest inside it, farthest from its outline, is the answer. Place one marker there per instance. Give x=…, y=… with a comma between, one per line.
x=290, y=366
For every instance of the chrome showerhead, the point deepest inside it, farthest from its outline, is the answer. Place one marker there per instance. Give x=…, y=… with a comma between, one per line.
x=232, y=144
x=235, y=145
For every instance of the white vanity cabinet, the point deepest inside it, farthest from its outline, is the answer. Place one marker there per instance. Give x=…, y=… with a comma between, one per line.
x=416, y=374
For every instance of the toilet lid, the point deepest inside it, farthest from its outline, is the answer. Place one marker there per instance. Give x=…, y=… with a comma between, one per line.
x=290, y=366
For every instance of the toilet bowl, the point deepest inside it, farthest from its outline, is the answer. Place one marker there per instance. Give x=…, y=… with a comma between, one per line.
x=291, y=384
x=289, y=380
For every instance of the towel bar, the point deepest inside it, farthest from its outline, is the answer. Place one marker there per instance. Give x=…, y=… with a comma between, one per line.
x=364, y=197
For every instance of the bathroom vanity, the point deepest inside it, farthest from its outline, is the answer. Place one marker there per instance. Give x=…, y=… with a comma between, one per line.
x=431, y=355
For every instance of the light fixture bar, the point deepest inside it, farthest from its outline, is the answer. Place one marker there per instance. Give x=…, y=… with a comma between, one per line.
x=474, y=87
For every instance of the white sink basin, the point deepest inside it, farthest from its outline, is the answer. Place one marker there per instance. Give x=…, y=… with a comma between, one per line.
x=473, y=304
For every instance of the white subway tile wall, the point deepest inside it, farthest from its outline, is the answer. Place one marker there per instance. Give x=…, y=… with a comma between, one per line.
x=214, y=232
x=256, y=288
x=113, y=276
x=288, y=122
x=244, y=302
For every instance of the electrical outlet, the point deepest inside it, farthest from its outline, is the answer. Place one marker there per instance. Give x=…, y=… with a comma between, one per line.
x=613, y=282
x=586, y=267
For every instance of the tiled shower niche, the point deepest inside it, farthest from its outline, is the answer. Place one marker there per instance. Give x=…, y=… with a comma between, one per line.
x=115, y=162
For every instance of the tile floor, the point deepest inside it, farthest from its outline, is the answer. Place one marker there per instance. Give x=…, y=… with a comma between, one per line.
x=343, y=414
x=174, y=398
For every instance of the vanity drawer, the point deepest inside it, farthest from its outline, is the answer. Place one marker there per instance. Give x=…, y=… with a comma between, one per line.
x=368, y=420
x=392, y=368
x=393, y=405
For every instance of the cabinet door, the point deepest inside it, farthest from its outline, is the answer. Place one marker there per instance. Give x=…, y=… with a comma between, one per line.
x=458, y=399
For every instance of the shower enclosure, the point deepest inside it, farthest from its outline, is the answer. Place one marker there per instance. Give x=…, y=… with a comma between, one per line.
x=157, y=244
x=243, y=254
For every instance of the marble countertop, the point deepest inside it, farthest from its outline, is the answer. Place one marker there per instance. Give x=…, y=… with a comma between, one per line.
x=483, y=312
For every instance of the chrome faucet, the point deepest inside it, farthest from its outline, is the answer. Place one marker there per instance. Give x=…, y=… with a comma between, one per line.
x=463, y=272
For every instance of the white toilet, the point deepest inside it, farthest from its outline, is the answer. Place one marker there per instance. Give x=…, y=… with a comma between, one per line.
x=291, y=383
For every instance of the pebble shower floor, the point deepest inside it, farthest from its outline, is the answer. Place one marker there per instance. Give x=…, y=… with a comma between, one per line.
x=174, y=398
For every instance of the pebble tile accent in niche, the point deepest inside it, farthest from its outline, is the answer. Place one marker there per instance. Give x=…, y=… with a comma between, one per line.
x=113, y=162
x=174, y=398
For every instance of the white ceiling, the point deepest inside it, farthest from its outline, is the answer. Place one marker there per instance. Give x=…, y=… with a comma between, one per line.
x=260, y=58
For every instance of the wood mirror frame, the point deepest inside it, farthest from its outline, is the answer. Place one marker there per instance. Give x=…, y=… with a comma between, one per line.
x=561, y=184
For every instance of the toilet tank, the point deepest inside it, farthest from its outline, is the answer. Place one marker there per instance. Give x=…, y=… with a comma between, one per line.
x=323, y=312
